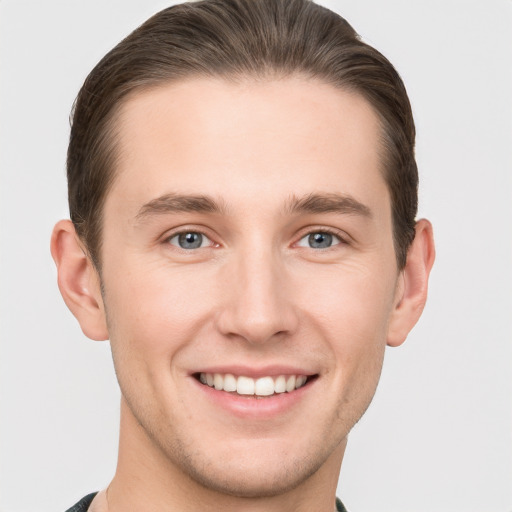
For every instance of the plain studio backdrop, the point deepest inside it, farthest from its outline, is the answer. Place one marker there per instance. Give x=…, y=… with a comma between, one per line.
x=438, y=436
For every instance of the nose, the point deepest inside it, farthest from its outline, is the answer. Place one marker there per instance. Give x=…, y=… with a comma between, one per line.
x=257, y=300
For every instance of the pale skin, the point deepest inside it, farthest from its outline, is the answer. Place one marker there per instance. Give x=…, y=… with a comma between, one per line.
x=250, y=170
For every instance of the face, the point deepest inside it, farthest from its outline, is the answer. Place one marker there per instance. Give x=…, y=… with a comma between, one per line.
x=249, y=276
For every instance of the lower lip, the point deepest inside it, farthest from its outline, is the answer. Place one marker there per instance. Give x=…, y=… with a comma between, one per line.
x=249, y=406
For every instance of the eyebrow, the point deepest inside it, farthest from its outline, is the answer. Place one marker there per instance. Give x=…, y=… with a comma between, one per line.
x=174, y=203
x=311, y=203
x=327, y=203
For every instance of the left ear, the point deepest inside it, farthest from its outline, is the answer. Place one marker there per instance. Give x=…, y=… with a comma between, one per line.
x=412, y=291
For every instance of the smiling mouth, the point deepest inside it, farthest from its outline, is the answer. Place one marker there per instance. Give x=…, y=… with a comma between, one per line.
x=247, y=386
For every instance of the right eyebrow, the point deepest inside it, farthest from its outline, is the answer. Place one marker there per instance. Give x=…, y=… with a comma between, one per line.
x=173, y=203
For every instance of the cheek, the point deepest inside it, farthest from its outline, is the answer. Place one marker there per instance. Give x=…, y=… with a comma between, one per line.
x=156, y=310
x=356, y=301
x=352, y=311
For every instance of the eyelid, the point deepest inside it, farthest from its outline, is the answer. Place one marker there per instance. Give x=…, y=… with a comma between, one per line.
x=343, y=238
x=189, y=229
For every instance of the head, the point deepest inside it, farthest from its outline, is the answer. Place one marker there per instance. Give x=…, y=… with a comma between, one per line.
x=237, y=40
x=242, y=185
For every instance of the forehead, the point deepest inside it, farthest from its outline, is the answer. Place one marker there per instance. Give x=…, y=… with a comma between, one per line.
x=273, y=137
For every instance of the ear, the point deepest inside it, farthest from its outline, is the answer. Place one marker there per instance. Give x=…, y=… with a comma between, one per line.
x=413, y=284
x=78, y=280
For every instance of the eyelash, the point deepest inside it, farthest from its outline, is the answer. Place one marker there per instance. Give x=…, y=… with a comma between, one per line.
x=311, y=231
x=323, y=230
x=187, y=232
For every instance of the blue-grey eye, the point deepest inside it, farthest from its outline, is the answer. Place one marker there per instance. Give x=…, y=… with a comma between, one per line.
x=319, y=240
x=190, y=240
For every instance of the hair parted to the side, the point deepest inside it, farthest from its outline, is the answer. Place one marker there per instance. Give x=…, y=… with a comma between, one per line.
x=237, y=39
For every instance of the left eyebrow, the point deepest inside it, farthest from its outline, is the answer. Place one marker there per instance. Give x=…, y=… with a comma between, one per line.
x=327, y=203
x=174, y=203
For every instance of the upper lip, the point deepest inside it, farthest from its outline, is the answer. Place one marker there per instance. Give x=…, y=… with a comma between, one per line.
x=256, y=372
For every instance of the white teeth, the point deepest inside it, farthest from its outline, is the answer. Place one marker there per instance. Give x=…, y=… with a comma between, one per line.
x=229, y=382
x=290, y=383
x=280, y=385
x=264, y=386
x=245, y=386
x=300, y=381
x=218, y=381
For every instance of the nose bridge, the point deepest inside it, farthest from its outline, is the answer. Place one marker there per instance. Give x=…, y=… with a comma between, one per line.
x=259, y=304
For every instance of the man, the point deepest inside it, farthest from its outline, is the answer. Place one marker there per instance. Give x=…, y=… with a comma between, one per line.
x=243, y=193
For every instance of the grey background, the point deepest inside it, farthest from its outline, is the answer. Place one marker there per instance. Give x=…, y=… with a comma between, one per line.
x=439, y=433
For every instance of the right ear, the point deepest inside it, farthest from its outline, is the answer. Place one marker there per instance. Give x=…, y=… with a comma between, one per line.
x=78, y=280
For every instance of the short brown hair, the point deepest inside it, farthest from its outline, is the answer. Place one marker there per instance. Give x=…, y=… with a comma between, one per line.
x=237, y=38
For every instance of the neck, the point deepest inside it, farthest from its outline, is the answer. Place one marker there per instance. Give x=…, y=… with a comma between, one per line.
x=146, y=479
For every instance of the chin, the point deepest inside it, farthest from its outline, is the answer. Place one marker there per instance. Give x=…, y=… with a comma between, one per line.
x=247, y=480
x=252, y=468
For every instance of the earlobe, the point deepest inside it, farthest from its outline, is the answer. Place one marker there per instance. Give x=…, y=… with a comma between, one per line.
x=412, y=293
x=78, y=281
